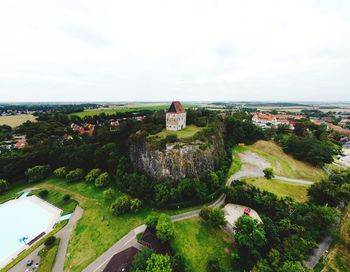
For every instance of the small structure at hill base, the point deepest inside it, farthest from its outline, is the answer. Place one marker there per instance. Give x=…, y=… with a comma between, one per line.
x=233, y=212
x=176, y=117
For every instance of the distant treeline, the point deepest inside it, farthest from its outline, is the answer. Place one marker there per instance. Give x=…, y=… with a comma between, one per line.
x=64, y=108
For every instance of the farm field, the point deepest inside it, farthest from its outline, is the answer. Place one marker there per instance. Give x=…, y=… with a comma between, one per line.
x=124, y=109
x=187, y=132
x=16, y=120
x=199, y=243
x=284, y=164
x=280, y=188
x=338, y=257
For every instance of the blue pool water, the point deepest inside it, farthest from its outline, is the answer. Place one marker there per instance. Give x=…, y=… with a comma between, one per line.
x=22, y=218
x=65, y=217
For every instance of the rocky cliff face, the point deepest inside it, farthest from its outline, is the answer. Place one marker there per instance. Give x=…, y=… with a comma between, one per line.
x=178, y=160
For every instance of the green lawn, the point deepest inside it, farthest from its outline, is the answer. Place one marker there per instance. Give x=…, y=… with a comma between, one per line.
x=56, y=199
x=284, y=164
x=199, y=243
x=187, y=132
x=236, y=161
x=47, y=257
x=281, y=188
x=13, y=191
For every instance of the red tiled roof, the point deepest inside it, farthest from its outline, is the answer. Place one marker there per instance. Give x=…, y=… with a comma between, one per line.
x=21, y=144
x=176, y=107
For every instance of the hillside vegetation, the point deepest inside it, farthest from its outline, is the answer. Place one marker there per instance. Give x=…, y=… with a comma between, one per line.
x=339, y=255
x=284, y=164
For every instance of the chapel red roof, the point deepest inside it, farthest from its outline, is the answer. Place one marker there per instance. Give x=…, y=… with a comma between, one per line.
x=176, y=107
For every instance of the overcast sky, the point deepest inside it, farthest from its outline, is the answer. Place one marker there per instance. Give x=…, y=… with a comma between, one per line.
x=174, y=50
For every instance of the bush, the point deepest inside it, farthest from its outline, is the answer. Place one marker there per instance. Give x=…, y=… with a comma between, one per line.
x=268, y=173
x=171, y=138
x=49, y=241
x=43, y=193
x=4, y=186
x=60, y=172
x=38, y=173
x=217, y=218
x=66, y=198
x=102, y=180
x=140, y=259
x=158, y=263
x=108, y=194
x=125, y=204
x=214, y=265
x=151, y=221
x=92, y=175
x=165, y=228
x=74, y=175
x=205, y=213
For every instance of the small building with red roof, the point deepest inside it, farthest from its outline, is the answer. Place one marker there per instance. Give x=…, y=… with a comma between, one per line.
x=176, y=117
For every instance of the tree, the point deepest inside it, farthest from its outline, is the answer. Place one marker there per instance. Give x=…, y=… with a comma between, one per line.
x=50, y=240
x=43, y=193
x=213, y=265
x=214, y=181
x=178, y=263
x=171, y=138
x=102, y=180
x=135, y=205
x=158, y=263
x=4, y=186
x=75, y=175
x=66, y=198
x=38, y=173
x=268, y=173
x=292, y=266
x=151, y=221
x=92, y=175
x=121, y=205
x=217, y=218
x=60, y=172
x=250, y=239
x=165, y=228
x=205, y=213
x=108, y=194
x=140, y=260
x=324, y=192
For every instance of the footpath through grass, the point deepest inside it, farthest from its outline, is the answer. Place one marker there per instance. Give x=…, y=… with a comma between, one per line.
x=281, y=188
x=284, y=164
x=199, y=243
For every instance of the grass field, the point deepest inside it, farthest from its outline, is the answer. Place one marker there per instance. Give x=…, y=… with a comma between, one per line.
x=284, y=164
x=187, y=132
x=56, y=199
x=236, y=164
x=47, y=257
x=338, y=258
x=16, y=120
x=126, y=109
x=199, y=243
x=281, y=188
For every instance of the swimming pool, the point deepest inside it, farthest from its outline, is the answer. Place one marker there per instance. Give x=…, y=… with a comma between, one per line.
x=24, y=217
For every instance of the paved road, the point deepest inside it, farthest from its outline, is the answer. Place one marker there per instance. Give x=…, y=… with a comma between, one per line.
x=318, y=253
x=22, y=265
x=65, y=235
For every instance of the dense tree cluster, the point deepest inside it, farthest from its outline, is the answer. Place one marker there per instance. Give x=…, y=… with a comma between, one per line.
x=291, y=228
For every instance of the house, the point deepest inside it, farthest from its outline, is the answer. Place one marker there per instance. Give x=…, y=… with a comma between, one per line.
x=21, y=144
x=122, y=261
x=86, y=129
x=176, y=117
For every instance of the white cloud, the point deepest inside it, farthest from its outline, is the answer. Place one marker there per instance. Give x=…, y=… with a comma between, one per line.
x=163, y=50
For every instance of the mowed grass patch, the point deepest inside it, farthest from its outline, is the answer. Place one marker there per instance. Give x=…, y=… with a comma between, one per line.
x=47, y=256
x=284, y=164
x=199, y=243
x=339, y=254
x=56, y=199
x=187, y=132
x=281, y=188
x=16, y=120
